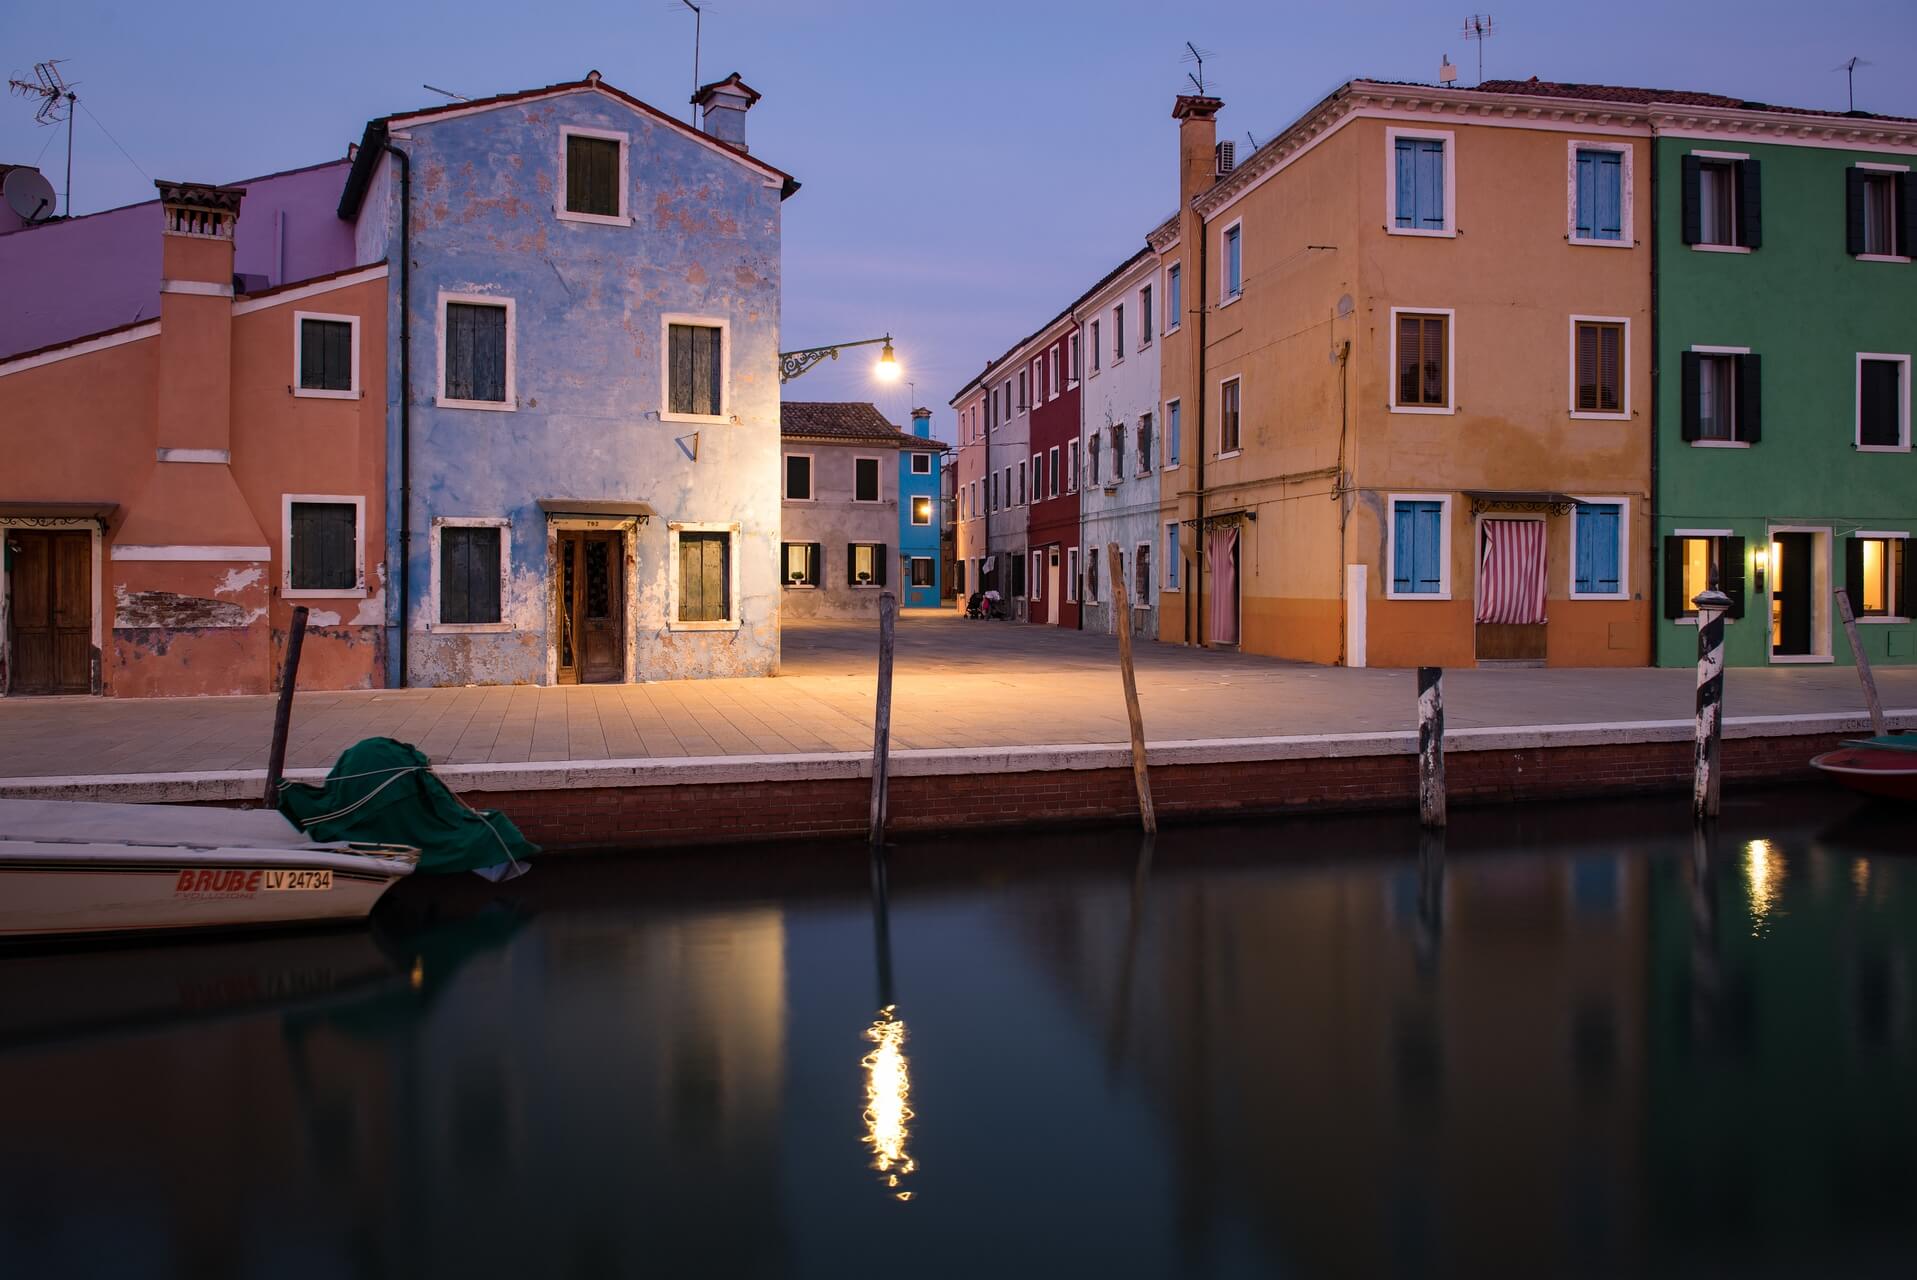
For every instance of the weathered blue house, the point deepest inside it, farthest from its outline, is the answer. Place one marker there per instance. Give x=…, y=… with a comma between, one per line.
x=584, y=452
x=920, y=518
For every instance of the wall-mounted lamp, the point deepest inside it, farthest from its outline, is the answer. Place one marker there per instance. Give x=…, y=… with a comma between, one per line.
x=1760, y=556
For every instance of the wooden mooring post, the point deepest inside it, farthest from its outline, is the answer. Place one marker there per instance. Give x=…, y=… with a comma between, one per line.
x=1122, y=622
x=1707, y=782
x=1864, y=675
x=1431, y=746
x=882, y=717
x=283, y=713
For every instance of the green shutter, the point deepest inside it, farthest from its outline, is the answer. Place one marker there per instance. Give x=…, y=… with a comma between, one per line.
x=1750, y=205
x=1907, y=214
x=1854, y=240
x=1675, y=605
x=1691, y=393
x=1693, y=215
x=1731, y=573
x=1854, y=571
x=1750, y=401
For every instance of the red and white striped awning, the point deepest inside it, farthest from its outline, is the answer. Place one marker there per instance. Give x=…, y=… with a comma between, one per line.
x=1511, y=572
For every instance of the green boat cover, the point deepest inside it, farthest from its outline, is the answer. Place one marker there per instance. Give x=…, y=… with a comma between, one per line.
x=1890, y=741
x=384, y=792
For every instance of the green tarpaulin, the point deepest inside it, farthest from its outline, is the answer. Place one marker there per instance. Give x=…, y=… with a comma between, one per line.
x=384, y=792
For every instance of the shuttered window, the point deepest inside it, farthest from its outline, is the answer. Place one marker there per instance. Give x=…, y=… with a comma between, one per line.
x=1423, y=367
x=801, y=563
x=1145, y=316
x=705, y=577
x=865, y=564
x=475, y=351
x=923, y=572
x=1722, y=397
x=1880, y=404
x=325, y=554
x=696, y=352
x=1419, y=177
x=1880, y=208
x=326, y=355
x=469, y=574
x=1722, y=202
x=1417, y=547
x=592, y=176
x=1172, y=432
x=1598, y=553
x=865, y=479
x=1600, y=195
x=1174, y=295
x=1600, y=367
x=798, y=477
x=1690, y=562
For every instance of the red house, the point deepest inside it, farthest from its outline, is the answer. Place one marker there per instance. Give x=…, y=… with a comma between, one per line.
x=1052, y=531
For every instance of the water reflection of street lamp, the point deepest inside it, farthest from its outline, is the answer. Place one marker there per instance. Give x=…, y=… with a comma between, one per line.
x=794, y=363
x=888, y=1081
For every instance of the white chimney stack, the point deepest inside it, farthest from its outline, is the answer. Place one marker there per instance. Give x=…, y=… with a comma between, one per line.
x=722, y=106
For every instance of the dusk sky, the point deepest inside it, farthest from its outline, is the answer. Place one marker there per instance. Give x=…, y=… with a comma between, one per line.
x=968, y=169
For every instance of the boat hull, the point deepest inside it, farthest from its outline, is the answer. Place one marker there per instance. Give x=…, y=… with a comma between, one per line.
x=1874, y=771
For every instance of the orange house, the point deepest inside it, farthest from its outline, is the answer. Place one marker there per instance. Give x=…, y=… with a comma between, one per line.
x=175, y=487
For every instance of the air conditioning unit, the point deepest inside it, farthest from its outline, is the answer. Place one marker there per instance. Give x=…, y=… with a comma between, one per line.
x=1226, y=155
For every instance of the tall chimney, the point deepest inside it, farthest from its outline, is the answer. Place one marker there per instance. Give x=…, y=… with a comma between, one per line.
x=922, y=423
x=1197, y=145
x=195, y=402
x=723, y=105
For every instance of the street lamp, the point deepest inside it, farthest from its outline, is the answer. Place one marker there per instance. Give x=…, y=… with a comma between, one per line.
x=794, y=363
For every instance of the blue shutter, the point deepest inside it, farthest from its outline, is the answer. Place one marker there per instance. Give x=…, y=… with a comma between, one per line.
x=1587, y=193
x=1407, y=206
x=1430, y=577
x=1597, y=548
x=1431, y=184
x=1404, y=519
x=1418, y=541
x=1610, y=196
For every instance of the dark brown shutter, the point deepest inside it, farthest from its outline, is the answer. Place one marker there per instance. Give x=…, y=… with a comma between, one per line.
x=323, y=552
x=1907, y=214
x=1691, y=391
x=1750, y=400
x=1750, y=205
x=312, y=356
x=1409, y=332
x=1675, y=605
x=813, y=563
x=1854, y=211
x=1588, y=394
x=851, y=564
x=1693, y=201
x=1854, y=571
x=1611, y=368
x=879, y=557
x=1907, y=589
x=1731, y=573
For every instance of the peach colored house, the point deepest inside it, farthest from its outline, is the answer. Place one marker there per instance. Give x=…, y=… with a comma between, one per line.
x=175, y=487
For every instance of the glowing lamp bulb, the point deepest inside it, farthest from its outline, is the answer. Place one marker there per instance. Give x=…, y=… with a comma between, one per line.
x=888, y=366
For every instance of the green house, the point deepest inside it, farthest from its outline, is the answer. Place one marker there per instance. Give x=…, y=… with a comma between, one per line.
x=1786, y=320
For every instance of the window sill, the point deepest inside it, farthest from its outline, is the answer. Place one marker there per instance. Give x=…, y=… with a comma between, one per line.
x=491, y=406
x=470, y=628
x=697, y=419
x=1583, y=416
x=799, y=502
x=800, y=586
x=1882, y=257
x=1171, y=591
x=1173, y=466
x=1220, y=457
x=1448, y=233
x=1881, y=448
x=598, y=219
x=1600, y=244
x=1427, y=409
x=1418, y=595
x=921, y=524
x=1799, y=659
x=1170, y=329
x=1613, y=596
x=1690, y=620
x=319, y=593
x=1720, y=444
x=1226, y=302
x=313, y=393
x=1880, y=619
x=702, y=626
x=1722, y=248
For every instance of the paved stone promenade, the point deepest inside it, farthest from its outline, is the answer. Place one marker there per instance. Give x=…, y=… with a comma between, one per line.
x=957, y=684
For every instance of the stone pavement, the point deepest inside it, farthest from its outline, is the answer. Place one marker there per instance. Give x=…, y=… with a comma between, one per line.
x=957, y=684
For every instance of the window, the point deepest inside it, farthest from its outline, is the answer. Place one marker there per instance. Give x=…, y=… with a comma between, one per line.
x=1074, y=357
x=475, y=352
x=1071, y=465
x=798, y=477
x=921, y=464
x=1038, y=382
x=1144, y=445
x=1052, y=464
x=1118, y=451
x=1038, y=476
x=1419, y=185
x=1091, y=575
x=1721, y=401
x=1038, y=575
x=1722, y=208
x=923, y=574
x=471, y=569
x=695, y=369
x=1228, y=417
x=1877, y=207
x=1421, y=354
x=1172, y=433
x=326, y=356
x=1142, y=576
x=1880, y=573
x=1008, y=487
x=1096, y=346
x=865, y=480
x=801, y=563
x=1017, y=574
x=1420, y=550
x=1009, y=409
x=1597, y=550
x=1598, y=202
x=865, y=564
x=1021, y=484
x=1690, y=558
x=921, y=511
x=991, y=412
x=1145, y=316
x=704, y=584
x=595, y=177
x=1071, y=575
x=1024, y=399
x=1233, y=284
x=993, y=485
x=1118, y=333
x=1091, y=458
x=1883, y=401
x=1054, y=372
x=1171, y=556
x=1597, y=378
x=1174, y=297
x=321, y=556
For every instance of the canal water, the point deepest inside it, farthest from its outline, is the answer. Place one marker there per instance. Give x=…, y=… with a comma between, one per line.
x=1573, y=1042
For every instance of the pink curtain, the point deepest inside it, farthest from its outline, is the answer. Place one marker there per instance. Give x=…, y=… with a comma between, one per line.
x=1221, y=548
x=1511, y=572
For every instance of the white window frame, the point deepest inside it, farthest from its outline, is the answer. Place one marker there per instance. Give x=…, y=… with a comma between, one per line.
x=1628, y=178
x=878, y=465
x=919, y=456
x=1071, y=575
x=1720, y=248
x=1165, y=416
x=511, y=402
x=913, y=511
x=1172, y=321
x=735, y=567
x=624, y=217
x=1623, y=592
x=1823, y=575
x=724, y=326
x=1071, y=472
x=1450, y=405
x=1884, y=257
x=1689, y=617
x=1717, y=444
x=1097, y=347
x=1051, y=461
x=287, y=590
x=1076, y=356
x=1571, y=338
x=785, y=568
x=1035, y=583
x=351, y=393
x=1168, y=575
x=1053, y=388
x=1238, y=378
x=1118, y=334
x=1145, y=317
x=1391, y=546
x=1900, y=607
x=811, y=477
x=1138, y=599
x=505, y=527
x=1226, y=296
x=1903, y=410
x=1450, y=140
x=1035, y=493
x=909, y=575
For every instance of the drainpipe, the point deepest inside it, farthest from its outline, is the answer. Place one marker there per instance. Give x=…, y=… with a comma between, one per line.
x=1198, y=420
x=1078, y=588
x=405, y=403
x=1652, y=600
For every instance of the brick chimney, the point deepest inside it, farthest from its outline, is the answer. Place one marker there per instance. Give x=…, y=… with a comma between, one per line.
x=922, y=423
x=1197, y=145
x=722, y=107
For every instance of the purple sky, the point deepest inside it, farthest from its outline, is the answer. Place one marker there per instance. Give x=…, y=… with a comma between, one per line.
x=968, y=168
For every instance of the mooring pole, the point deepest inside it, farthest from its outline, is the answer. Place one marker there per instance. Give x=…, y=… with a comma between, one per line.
x=882, y=716
x=1864, y=675
x=283, y=714
x=1431, y=746
x=1121, y=608
x=1707, y=782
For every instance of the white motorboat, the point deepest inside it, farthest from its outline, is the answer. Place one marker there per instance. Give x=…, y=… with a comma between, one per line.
x=77, y=868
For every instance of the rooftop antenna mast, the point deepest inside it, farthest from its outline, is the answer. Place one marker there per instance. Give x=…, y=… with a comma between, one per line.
x=1478, y=28
x=447, y=93
x=698, y=29
x=1849, y=68
x=1194, y=54
x=57, y=101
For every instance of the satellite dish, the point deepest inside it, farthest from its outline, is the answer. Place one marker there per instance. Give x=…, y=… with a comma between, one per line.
x=29, y=194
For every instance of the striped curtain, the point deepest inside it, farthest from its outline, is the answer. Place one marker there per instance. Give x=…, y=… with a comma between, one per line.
x=1511, y=572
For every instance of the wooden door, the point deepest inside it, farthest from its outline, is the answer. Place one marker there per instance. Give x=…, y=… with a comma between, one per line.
x=1054, y=611
x=1791, y=606
x=50, y=611
x=591, y=589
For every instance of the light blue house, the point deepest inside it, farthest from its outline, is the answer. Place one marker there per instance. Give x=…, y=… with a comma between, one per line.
x=920, y=517
x=584, y=443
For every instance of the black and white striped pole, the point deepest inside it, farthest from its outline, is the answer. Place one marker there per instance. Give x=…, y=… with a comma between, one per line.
x=1431, y=747
x=1712, y=604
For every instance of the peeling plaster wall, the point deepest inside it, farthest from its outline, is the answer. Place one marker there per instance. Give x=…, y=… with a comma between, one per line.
x=589, y=300
x=834, y=521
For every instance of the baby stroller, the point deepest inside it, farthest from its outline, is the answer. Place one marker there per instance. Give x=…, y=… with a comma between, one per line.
x=973, y=607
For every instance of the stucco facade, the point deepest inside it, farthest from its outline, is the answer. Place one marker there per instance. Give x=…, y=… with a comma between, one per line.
x=921, y=520
x=1052, y=521
x=1119, y=501
x=970, y=469
x=841, y=510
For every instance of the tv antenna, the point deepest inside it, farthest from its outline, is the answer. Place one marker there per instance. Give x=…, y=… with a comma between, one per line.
x=447, y=93
x=57, y=100
x=1196, y=55
x=698, y=29
x=1478, y=28
x=1849, y=68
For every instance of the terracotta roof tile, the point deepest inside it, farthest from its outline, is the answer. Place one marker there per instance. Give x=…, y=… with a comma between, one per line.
x=850, y=420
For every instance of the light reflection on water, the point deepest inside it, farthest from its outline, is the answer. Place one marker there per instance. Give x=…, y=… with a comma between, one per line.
x=1564, y=1041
